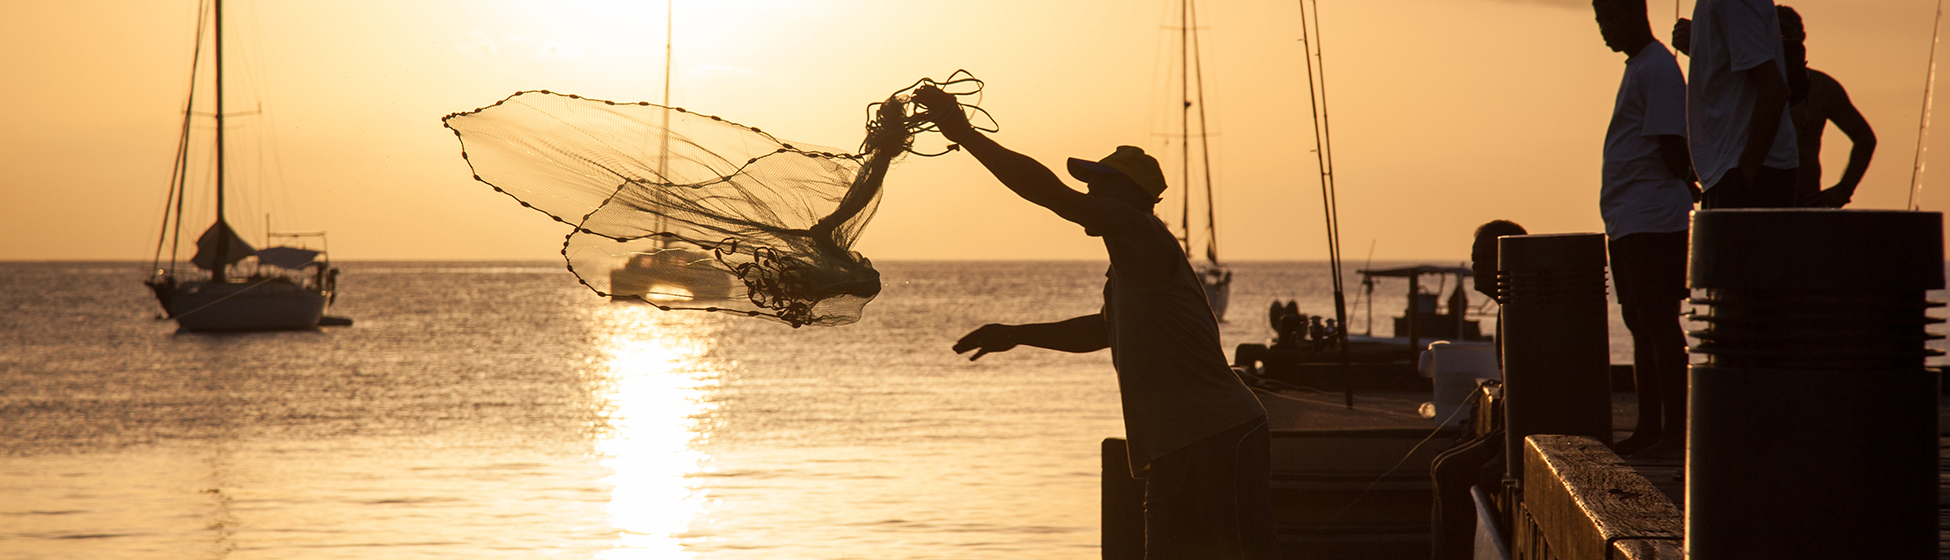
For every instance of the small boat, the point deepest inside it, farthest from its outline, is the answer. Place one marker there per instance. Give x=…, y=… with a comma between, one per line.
x=671, y=273
x=1303, y=351
x=241, y=288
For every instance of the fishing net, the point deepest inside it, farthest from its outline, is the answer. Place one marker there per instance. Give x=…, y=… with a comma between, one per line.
x=694, y=212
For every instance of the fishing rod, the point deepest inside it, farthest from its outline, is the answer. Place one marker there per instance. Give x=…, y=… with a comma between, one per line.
x=1323, y=154
x=1923, y=127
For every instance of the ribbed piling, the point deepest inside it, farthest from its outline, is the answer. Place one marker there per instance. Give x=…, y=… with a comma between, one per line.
x=1813, y=421
x=1556, y=354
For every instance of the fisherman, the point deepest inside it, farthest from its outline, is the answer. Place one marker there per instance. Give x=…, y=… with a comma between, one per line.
x=1742, y=142
x=1646, y=200
x=1477, y=461
x=1814, y=99
x=1197, y=435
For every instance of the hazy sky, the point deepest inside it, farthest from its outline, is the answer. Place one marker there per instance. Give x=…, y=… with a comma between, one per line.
x=1446, y=113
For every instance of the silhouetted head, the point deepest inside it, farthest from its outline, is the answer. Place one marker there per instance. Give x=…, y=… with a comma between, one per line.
x=1482, y=254
x=1792, y=28
x=1794, y=52
x=1623, y=24
x=1127, y=174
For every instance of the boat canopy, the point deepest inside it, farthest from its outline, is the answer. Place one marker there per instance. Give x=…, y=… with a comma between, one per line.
x=287, y=257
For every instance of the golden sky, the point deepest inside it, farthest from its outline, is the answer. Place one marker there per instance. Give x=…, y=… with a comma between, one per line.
x=1446, y=113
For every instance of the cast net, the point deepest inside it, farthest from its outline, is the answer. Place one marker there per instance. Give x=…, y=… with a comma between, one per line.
x=693, y=212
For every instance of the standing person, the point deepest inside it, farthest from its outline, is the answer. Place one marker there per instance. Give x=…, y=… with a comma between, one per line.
x=1742, y=143
x=1814, y=99
x=1196, y=434
x=1646, y=199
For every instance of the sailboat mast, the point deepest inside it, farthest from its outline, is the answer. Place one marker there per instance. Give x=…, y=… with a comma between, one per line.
x=663, y=147
x=1205, y=152
x=222, y=228
x=1185, y=122
x=663, y=155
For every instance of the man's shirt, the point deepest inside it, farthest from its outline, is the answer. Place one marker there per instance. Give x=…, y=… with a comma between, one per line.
x=1639, y=193
x=1729, y=37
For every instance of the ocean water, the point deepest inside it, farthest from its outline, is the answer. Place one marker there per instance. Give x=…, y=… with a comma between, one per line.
x=500, y=410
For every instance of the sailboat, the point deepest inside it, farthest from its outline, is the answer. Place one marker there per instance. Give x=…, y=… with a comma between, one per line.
x=1214, y=276
x=668, y=271
x=240, y=288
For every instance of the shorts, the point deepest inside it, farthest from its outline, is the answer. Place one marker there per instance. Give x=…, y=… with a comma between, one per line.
x=1649, y=267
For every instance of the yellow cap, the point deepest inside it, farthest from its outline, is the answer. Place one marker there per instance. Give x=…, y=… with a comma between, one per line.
x=1129, y=161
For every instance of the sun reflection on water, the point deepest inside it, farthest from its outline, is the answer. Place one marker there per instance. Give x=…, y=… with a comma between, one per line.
x=656, y=396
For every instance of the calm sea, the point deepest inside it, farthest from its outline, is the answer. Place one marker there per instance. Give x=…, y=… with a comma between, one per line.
x=500, y=410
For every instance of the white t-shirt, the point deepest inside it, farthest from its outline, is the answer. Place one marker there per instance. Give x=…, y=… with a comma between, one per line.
x=1731, y=36
x=1640, y=194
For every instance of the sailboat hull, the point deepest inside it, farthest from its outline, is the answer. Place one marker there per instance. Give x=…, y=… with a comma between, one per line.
x=249, y=306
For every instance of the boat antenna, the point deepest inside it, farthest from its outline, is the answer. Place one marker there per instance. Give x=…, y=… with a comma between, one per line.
x=1923, y=127
x=1324, y=155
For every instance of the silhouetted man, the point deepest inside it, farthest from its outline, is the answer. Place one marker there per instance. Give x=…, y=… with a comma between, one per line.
x=1814, y=98
x=1477, y=461
x=1646, y=200
x=1741, y=140
x=1196, y=434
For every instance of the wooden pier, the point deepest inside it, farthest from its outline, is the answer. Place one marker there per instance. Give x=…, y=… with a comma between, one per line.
x=1354, y=483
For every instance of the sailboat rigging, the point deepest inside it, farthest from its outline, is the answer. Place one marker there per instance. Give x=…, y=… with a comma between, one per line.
x=283, y=287
x=1212, y=274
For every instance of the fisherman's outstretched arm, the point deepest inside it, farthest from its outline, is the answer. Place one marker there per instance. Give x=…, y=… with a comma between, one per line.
x=1030, y=179
x=1078, y=335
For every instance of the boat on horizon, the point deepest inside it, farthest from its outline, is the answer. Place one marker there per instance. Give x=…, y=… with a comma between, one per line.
x=668, y=273
x=240, y=288
x=1304, y=352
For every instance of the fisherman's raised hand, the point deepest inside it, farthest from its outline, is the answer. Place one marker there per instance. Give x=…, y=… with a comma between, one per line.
x=989, y=338
x=943, y=110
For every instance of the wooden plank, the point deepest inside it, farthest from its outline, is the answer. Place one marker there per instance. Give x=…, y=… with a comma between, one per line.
x=1586, y=504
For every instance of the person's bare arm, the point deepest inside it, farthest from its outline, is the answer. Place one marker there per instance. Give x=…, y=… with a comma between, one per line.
x=1850, y=121
x=1078, y=335
x=1027, y=177
x=1765, y=122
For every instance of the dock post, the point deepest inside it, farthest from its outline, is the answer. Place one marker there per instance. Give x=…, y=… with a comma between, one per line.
x=1813, y=430
x=1556, y=350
